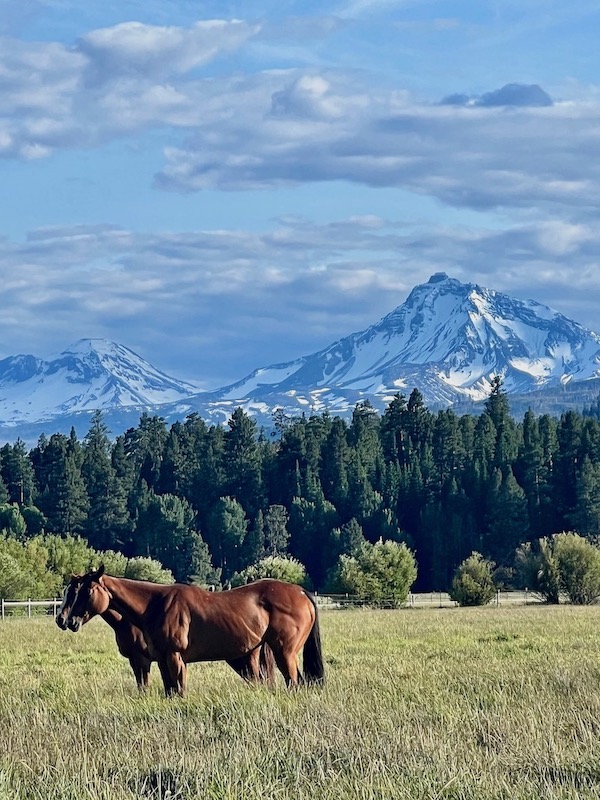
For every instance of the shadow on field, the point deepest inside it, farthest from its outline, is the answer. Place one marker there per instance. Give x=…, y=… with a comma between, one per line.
x=158, y=784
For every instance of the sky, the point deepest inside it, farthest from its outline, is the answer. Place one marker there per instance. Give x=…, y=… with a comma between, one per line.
x=221, y=186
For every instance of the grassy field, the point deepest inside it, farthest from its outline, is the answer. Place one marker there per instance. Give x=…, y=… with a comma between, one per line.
x=450, y=703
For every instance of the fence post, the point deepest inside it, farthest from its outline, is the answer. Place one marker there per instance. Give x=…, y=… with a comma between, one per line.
x=2, y=609
x=497, y=597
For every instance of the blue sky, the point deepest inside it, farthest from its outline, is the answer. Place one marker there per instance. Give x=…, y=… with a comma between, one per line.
x=222, y=186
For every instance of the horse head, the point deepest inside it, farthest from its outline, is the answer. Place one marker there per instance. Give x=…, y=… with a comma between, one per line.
x=62, y=617
x=91, y=598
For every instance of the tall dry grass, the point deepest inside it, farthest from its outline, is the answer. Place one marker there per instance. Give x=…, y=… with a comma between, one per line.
x=453, y=703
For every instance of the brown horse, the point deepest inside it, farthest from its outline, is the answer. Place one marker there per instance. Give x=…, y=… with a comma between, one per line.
x=182, y=624
x=132, y=645
x=130, y=640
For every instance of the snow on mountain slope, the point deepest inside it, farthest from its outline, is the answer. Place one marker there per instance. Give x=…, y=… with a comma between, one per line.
x=448, y=339
x=91, y=374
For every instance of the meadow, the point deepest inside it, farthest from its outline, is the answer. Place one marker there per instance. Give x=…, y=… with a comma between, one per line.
x=419, y=703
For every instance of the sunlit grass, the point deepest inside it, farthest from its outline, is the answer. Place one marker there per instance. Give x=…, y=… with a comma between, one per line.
x=453, y=703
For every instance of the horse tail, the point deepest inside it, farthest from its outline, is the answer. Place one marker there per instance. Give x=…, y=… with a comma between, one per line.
x=313, y=667
x=267, y=664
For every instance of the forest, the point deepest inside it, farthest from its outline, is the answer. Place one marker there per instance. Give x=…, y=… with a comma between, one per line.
x=207, y=501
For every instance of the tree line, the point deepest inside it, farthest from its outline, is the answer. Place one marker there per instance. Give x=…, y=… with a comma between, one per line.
x=208, y=501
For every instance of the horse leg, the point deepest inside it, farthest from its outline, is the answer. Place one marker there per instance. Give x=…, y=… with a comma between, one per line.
x=145, y=673
x=267, y=665
x=174, y=673
x=248, y=666
x=240, y=665
x=138, y=671
x=287, y=662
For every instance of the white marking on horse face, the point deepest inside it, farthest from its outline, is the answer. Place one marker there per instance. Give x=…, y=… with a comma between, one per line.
x=64, y=602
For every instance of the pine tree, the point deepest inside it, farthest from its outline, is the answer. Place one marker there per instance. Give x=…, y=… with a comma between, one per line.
x=144, y=447
x=585, y=517
x=63, y=497
x=566, y=467
x=363, y=437
x=335, y=456
x=108, y=523
x=166, y=531
x=253, y=547
x=498, y=409
x=226, y=530
x=507, y=517
x=17, y=473
x=392, y=430
x=276, y=533
x=242, y=466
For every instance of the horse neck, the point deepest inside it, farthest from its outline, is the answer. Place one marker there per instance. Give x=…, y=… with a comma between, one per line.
x=128, y=598
x=114, y=619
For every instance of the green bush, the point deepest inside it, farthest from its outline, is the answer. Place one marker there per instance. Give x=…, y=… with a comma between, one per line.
x=41, y=566
x=578, y=562
x=380, y=574
x=473, y=583
x=147, y=569
x=537, y=569
x=284, y=568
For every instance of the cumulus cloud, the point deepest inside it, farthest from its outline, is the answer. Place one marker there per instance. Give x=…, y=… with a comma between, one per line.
x=324, y=128
x=115, y=80
x=510, y=147
x=155, y=52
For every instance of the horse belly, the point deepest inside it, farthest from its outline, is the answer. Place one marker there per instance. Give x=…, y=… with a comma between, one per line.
x=213, y=643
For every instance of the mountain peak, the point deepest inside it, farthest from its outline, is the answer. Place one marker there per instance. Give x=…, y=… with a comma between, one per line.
x=438, y=277
x=90, y=374
x=448, y=339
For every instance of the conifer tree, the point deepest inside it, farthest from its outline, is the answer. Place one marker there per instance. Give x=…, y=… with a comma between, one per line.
x=276, y=533
x=17, y=473
x=63, y=497
x=585, y=517
x=226, y=530
x=108, y=522
x=335, y=456
x=242, y=467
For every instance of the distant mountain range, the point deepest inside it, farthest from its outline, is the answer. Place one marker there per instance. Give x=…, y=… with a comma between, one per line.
x=448, y=339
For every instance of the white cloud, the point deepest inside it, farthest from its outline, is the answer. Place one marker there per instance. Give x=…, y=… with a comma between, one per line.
x=273, y=128
x=150, y=51
x=189, y=302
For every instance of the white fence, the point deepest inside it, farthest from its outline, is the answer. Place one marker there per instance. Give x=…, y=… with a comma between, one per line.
x=426, y=600
x=7, y=607
x=324, y=601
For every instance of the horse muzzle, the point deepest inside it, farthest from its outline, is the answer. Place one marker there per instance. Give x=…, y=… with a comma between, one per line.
x=61, y=622
x=75, y=624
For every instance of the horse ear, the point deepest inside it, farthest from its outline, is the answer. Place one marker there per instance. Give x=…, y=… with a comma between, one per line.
x=99, y=572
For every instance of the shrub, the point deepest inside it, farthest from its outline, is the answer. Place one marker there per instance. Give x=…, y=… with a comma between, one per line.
x=537, y=568
x=578, y=562
x=284, y=568
x=147, y=569
x=380, y=574
x=473, y=584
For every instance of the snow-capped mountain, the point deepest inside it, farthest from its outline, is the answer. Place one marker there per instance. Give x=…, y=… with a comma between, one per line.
x=448, y=339
x=91, y=374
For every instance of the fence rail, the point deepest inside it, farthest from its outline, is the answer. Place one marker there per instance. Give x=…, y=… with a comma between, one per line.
x=7, y=607
x=425, y=600
x=324, y=601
